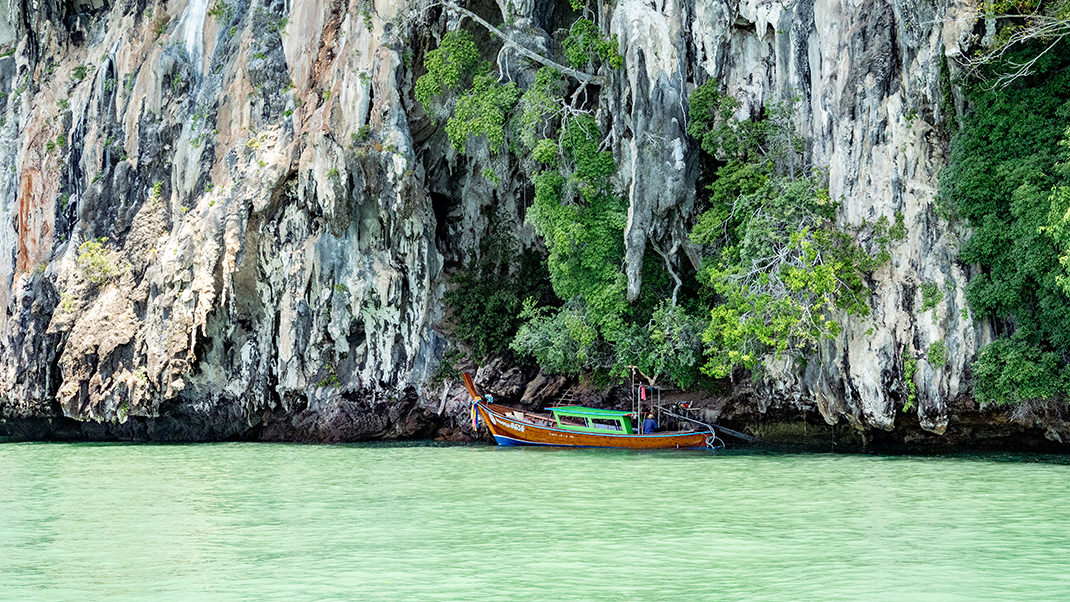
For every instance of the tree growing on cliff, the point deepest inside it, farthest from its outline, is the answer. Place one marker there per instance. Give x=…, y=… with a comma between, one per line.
x=780, y=268
x=1007, y=178
x=549, y=131
x=94, y=263
x=777, y=270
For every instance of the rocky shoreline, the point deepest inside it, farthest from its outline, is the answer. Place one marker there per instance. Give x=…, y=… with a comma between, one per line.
x=783, y=427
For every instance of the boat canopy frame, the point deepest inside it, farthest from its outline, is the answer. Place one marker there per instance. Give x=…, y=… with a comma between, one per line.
x=587, y=416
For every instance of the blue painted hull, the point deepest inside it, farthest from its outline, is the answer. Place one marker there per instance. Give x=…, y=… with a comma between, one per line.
x=510, y=441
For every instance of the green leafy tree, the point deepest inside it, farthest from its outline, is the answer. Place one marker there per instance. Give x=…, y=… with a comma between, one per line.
x=450, y=67
x=1004, y=179
x=581, y=221
x=779, y=265
x=482, y=111
x=1013, y=369
x=576, y=212
x=1058, y=227
x=94, y=263
x=586, y=47
x=671, y=345
x=487, y=298
x=563, y=340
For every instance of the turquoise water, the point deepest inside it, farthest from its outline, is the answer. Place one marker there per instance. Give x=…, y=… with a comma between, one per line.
x=287, y=522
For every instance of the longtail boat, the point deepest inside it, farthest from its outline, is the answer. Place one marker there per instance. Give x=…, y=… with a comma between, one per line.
x=576, y=426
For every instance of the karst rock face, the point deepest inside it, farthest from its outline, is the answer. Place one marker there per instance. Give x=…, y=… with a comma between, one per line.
x=280, y=213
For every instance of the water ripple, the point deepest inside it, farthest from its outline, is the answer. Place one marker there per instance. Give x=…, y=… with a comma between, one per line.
x=290, y=522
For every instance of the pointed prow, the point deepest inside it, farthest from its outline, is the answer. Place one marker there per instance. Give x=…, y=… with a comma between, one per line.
x=471, y=386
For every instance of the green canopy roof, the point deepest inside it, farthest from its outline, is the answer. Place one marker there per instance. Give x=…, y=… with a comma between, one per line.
x=593, y=412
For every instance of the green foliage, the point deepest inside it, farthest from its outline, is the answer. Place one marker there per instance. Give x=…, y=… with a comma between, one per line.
x=788, y=310
x=1058, y=228
x=67, y=303
x=363, y=134
x=590, y=168
x=575, y=211
x=584, y=238
x=94, y=263
x=712, y=121
x=1011, y=370
x=80, y=72
x=154, y=195
x=581, y=221
x=779, y=267
x=487, y=297
x=455, y=59
x=931, y=295
x=910, y=368
x=561, y=341
x=546, y=152
x=1041, y=22
x=937, y=354
x=484, y=104
x=159, y=26
x=1004, y=179
x=279, y=25
x=672, y=345
x=1006, y=7
x=220, y=11
x=586, y=47
x=491, y=176
x=482, y=111
x=331, y=380
x=539, y=107
x=448, y=368
x=898, y=230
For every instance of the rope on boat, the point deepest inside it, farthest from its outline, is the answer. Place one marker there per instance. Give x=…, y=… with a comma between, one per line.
x=714, y=428
x=711, y=442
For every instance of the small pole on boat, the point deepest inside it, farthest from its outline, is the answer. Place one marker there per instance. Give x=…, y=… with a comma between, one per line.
x=635, y=399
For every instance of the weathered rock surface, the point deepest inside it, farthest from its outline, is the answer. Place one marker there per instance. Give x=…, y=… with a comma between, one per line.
x=280, y=213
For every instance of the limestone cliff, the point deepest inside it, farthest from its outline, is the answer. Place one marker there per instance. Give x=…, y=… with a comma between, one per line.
x=279, y=212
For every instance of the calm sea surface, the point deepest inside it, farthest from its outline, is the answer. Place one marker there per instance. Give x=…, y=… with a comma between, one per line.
x=289, y=522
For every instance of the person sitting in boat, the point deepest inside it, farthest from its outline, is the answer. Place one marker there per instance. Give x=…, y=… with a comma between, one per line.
x=649, y=425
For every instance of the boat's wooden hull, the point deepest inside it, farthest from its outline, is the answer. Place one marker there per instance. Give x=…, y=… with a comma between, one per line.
x=509, y=431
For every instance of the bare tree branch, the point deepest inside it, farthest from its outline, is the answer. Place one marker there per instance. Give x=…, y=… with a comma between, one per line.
x=1049, y=29
x=668, y=266
x=580, y=76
